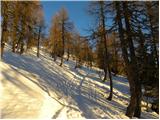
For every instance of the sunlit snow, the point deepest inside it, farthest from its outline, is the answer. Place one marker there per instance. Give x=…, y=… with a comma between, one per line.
x=39, y=88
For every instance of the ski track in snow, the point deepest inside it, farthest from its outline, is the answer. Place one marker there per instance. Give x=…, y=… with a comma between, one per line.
x=39, y=88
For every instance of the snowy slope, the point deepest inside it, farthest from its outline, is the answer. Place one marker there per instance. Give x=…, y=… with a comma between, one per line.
x=39, y=88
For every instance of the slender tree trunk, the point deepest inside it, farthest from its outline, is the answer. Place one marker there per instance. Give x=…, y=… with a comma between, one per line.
x=105, y=44
x=3, y=36
x=4, y=26
x=68, y=54
x=105, y=75
x=61, y=61
x=22, y=47
x=116, y=59
x=38, y=49
x=111, y=84
x=20, y=44
x=2, y=49
x=2, y=43
x=38, y=41
x=29, y=37
x=121, y=34
x=13, y=46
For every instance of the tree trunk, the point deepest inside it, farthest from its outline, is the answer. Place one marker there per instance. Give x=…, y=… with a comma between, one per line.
x=3, y=37
x=61, y=61
x=2, y=43
x=19, y=42
x=111, y=84
x=13, y=46
x=136, y=92
x=68, y=54
x=105, y=45
x=38, y=49
x=132, y=75
x=133, y=100
x=137, y=112
x=2, y=49
x=4, y=23
x=22, y=48
x=134, y=108
x=105, y=75
x=38, y=41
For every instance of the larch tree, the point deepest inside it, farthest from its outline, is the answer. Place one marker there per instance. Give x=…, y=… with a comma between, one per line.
x=55, y=37
x=128, y=52
x=99, y=9
x=39, y=25
x=15, y=25
x=60, y=34
x=4, y=24
x=19, y=20
x=66, y=26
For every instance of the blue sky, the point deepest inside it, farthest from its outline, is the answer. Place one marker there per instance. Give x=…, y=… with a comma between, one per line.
x=77, y=13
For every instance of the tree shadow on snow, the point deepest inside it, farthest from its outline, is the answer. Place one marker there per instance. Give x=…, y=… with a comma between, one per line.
x=78, y=88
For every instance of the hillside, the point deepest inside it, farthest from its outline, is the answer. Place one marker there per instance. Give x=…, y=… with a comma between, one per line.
x=39, y=88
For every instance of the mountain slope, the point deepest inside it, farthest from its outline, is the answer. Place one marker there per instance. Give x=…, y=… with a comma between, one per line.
x=39, y=88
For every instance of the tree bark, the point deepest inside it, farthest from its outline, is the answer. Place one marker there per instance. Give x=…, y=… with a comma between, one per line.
x=3, y=37
x=61, y=61
x=68, y=54
x=21, y=48
x=106, y=61
x=136, y=91
x=38, y=41
x=132, y=74
x=4, y=26
x=2, y=49
x=13, y=46
x=2, y=43
x=111, y=84
x=105, y=75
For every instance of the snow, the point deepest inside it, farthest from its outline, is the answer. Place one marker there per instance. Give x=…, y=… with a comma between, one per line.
x=39, y=88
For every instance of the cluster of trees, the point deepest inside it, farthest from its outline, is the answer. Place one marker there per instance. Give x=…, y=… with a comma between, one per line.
x=22, y=25
x=125, y=37
x=128, y=46
x=64, y=38
x=60, y=34
x=83, y=52
x=136, y=23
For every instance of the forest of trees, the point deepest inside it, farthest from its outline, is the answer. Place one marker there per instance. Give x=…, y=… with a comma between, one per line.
x=127, y=45
x=21, y=27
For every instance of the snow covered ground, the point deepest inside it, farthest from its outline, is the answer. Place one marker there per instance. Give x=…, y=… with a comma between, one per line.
x=39, y=88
